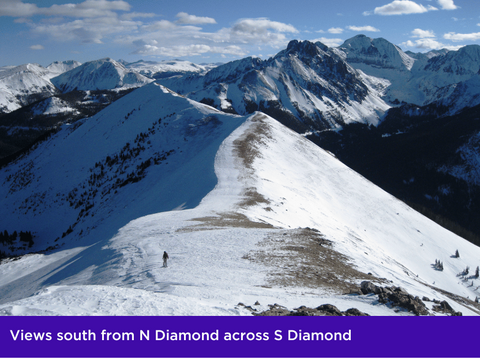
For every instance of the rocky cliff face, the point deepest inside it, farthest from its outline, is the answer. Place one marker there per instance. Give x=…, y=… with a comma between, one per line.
x=307, y=86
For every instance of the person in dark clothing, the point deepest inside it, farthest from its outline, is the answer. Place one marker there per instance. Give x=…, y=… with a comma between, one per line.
x=165, y=258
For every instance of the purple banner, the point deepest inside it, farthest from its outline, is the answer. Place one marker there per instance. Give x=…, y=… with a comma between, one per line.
x=238, y=336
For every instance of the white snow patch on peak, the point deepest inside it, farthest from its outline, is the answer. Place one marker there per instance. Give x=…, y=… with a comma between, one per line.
x=379, y=52
x=58, y=67
x=103, y=74
x=18, y=83
x=167, y=68
x=52, y=106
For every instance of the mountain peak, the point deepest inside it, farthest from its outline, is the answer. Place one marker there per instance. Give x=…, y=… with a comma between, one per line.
x=376, y=52
x=102, y=74
x=305, y=47
x=232, y=70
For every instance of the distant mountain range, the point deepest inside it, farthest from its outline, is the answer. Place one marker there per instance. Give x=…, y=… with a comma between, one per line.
x=318, y=91
x=101, y=160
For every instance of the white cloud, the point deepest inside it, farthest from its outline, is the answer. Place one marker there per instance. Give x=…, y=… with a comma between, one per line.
x=447, y=4
x=363, y=28
x=335, y=30
x=133, y=15
x=401, y=7
x=159, y=26
x=103, y=21
x=261, y=26
x=22, y=20
x=256, y=31
x=171, y=39
x=37, y=47
x=419, y=33
x=17, y=8
x=329, y=42
x=184, y=18
x=93, y=19
x=428, y=44
x=453, y=36
x=188, y=50
x=88, y=30
x=88, y=8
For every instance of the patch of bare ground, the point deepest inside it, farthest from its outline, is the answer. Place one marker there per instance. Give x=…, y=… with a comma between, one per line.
x=303, y=257
x=247, y=148
x=230, y=219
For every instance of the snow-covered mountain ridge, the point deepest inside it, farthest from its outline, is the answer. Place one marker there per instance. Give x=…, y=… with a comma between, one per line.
x=313, y=87
x=24, y=84
x=101, y=74
x=376, y=52
x=419, y=79
x=152, y=69
x=306, y=86
x=247, y=209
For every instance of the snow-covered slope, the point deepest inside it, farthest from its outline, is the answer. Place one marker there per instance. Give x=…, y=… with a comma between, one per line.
x=58, y=67
x=52, y=106
x=22, y=85
x=307, y=86
x=377, y=53
x=152, y=69
x=446, y=78
x=104, y=74
x=247, y=209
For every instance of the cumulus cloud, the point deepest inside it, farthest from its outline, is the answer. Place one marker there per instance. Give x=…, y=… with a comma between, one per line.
x=428, y=44
x=88, y=8
x=363, y=28
x=335, y=30
x=103, y=21
x=419, y=33
x=188, y=50
x=17, y=8
x=184, y=18
x=427, y=40
x=172, y=39
x=401, y=7
x=261, y=26
x=453, y=36
x=256, y=31
x=447, y=4
x=88, y=30
x=133, y=15
x=329, y=42
x=37, y=47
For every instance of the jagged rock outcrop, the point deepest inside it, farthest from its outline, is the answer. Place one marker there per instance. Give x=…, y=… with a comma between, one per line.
x=396, y=297
x=399, y=297
x=322, y=310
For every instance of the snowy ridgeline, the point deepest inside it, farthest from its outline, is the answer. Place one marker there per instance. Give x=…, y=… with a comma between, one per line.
x=26, y=84
x=248, y=211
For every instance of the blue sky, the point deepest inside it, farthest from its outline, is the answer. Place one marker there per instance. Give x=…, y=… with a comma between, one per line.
x=221, y=30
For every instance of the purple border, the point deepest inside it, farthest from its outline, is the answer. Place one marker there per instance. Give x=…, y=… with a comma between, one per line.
x=368, y=337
